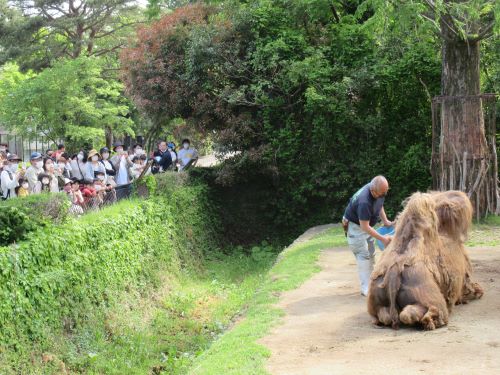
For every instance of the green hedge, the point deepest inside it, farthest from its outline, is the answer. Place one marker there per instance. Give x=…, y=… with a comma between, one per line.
x=19, y=216
x=51, y=282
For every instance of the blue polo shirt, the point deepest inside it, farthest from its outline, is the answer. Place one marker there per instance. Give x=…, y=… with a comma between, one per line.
x=363, y=206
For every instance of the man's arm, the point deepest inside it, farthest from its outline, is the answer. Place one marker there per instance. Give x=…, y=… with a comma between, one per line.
x=365, y=226
x=383, y=216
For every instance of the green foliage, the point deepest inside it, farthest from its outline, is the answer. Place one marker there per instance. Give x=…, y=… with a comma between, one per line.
x=138, y=287
x=69, y=101
x=262, y=253
x=195, y=215
x=10, y=77
x=144, y=186
x=19, y=216
x=237, y=351
x=14, y=225
x=313, y=101
x=37, y=34
x=485, y=232
x=52, y=281
x=166, y=329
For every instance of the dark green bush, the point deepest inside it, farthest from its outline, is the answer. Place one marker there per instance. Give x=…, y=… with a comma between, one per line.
x=14, y=224
x=19, y=216
x=42, y=207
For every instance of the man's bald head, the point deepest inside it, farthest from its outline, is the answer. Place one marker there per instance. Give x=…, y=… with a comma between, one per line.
x=379, y=186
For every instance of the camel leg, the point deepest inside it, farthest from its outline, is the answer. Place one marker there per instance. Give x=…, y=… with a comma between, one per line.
x=412, y=314
x=471, y=290
x=478, y=290
x=384, y=318
x=434, y=318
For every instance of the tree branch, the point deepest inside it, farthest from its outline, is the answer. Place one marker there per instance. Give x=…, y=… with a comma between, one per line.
x=118, y=28
x=334, y=11
x=431, y=5
x=429, y=97
x=107, y=50
x=484, y=33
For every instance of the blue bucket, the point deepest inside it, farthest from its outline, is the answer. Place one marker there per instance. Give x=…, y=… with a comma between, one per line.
x=384, y=231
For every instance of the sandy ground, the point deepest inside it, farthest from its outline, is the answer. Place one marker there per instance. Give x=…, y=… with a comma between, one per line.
x=327, y=331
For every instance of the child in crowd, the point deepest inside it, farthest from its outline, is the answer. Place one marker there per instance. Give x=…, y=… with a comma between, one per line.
x=23, y=190
x=76, y=197
x=90, y=196
x=43, y=184
x=137, y=167
x=89, y=180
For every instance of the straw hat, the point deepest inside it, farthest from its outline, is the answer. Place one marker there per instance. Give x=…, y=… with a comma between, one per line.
x=92, y=153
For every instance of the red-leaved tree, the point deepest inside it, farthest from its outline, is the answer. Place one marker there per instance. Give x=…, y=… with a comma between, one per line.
x=191, y=65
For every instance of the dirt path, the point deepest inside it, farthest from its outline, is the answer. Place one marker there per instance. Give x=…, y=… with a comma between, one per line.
x=327, y=331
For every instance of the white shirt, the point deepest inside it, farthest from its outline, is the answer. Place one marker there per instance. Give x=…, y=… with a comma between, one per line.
x=78, y=169
x=122, y=175
x=107, y=164
x=8, y=183
x=174, y=157
x=185, y=156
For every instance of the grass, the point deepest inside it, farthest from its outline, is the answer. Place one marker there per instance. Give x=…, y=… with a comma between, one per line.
x=485, y=232
x=190, y=312
x=237, y=351
x=162, y=330
x=203, y=321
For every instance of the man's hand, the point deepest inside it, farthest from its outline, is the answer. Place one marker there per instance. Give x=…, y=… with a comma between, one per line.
x=388, y=223
x=386, y=240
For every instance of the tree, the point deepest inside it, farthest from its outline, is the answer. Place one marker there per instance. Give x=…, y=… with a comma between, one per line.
x=37, y=33
x=463, y=146
x=308, y=99
x=69, y=101
x=153, y=69
x=10, y=78
x=465, y=158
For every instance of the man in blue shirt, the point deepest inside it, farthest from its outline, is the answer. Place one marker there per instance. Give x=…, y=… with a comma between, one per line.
x=362, y=213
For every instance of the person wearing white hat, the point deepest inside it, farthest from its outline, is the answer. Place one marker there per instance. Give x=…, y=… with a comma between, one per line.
x=94, y=166
x=67, y=185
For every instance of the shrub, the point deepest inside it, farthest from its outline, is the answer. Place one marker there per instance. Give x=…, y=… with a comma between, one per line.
x=60, y=275
x=14, y=224
x=19, y=216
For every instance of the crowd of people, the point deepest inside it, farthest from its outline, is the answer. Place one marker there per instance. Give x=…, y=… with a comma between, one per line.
x=90, y=179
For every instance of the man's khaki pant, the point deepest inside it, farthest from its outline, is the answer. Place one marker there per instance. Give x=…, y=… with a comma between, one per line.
x=363, y=248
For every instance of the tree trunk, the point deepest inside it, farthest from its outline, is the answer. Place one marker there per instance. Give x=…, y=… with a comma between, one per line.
x=108, y=133
x=462, y=157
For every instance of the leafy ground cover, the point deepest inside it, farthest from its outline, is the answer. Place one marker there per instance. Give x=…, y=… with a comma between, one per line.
x=161, y=329
x=237, y=351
